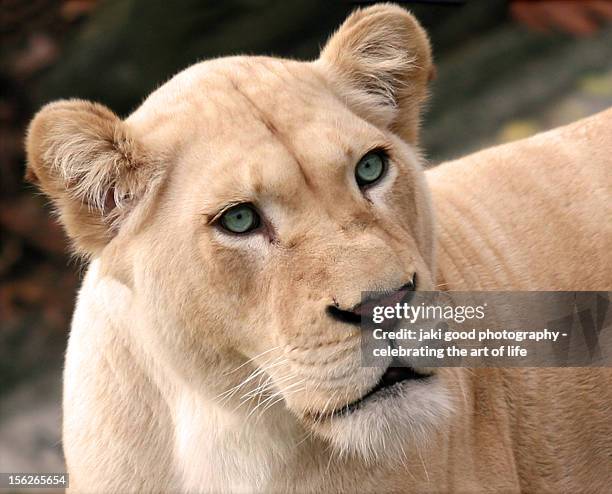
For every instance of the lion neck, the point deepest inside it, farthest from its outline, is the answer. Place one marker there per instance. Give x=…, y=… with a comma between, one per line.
x=231, y=451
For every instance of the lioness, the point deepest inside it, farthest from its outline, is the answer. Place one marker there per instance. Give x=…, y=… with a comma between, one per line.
x=232, y=222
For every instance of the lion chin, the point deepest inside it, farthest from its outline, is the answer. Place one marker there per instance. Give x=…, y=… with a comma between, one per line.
x=379, y=426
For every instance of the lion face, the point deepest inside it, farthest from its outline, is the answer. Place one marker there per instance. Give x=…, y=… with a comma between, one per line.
x=247, y=204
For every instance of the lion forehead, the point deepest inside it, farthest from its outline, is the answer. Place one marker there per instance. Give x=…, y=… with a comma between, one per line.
x=268, y=120
x=225, y=96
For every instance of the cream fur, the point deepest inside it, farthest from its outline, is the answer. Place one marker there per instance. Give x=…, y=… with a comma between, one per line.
x=201, y=361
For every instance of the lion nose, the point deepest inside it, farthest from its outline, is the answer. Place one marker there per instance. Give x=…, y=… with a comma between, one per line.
x=354, y=314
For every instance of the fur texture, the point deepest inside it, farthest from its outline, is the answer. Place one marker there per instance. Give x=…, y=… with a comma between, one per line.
x=201, y=361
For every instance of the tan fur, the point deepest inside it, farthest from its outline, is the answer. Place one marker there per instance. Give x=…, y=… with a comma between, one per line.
x=201, y=361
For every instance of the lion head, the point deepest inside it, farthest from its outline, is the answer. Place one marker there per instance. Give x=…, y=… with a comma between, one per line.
x=245, y=206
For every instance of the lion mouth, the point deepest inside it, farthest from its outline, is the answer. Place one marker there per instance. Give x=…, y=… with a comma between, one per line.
x=388, y=384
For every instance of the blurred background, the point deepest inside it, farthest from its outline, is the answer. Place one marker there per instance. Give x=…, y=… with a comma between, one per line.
x=505, y=70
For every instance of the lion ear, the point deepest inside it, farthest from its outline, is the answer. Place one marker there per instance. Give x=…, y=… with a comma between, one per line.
x=380, y=60
x=83, y=157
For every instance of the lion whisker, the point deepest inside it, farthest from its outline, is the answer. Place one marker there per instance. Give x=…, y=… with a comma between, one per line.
x=278, y=395
x=257, y=372
x=251, y=360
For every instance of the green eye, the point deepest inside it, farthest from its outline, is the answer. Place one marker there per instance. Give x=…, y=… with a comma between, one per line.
x=370, y=168
x=240, y=219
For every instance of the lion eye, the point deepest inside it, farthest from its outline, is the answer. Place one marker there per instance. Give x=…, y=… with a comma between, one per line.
x=241, y=218
x=370, y=168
